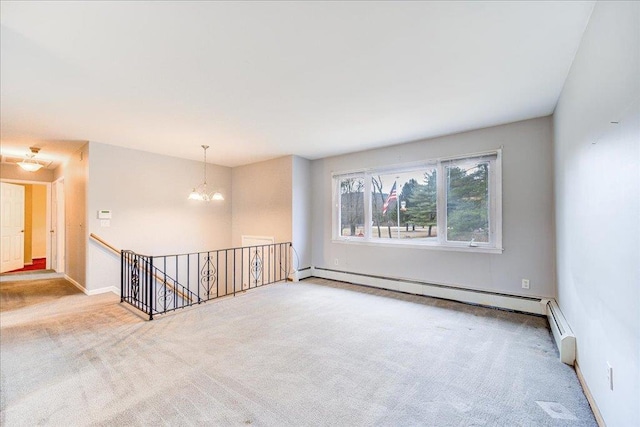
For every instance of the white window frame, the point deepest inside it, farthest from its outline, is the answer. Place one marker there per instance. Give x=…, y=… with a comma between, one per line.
x=441, y=243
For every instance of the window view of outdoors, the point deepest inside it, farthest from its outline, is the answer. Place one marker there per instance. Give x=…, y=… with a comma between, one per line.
x=468, y=201
x=412, y=196
x=402, y=204
x=352, y=207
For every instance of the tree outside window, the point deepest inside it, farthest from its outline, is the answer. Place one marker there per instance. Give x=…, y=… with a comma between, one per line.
x=352, y=207
x=453, y=202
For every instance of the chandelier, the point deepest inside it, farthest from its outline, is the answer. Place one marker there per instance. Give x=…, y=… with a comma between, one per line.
x=30, y=164
x=201, y=192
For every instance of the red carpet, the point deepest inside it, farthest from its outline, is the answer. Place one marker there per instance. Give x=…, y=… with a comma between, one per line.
x=38, y=264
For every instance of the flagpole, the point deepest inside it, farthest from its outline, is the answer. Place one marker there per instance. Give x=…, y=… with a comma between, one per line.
x=398, y=208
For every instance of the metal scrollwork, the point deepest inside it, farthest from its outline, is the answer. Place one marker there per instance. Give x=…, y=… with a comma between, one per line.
x=208, y=277
x=256, y=266
x=165, y=297
x=135, y=279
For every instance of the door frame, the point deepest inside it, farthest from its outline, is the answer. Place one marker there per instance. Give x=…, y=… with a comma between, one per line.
x=60, y=227
x=48, y=210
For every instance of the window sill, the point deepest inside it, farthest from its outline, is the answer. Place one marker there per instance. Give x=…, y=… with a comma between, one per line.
x=413, y=245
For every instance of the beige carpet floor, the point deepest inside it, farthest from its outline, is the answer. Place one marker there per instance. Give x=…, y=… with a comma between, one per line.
x=308, y=353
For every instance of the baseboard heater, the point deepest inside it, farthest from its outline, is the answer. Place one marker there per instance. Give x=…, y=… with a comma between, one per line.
x=562, y=333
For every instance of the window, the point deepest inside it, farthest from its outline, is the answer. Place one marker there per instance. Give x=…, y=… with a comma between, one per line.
x=417, y=212
x=351, y=206
x=449, y=203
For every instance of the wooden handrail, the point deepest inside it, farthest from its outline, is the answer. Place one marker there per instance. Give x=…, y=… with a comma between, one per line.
x=105, y=244
x=158, y=278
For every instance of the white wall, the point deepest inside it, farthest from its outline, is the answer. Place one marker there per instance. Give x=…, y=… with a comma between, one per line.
x=597, y=168
x=147, y=194
x=262, y=200
x=528, y=228
x=301, y=211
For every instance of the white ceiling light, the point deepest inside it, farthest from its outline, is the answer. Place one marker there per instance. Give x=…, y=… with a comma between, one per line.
x=201, y=192
x=30, y=164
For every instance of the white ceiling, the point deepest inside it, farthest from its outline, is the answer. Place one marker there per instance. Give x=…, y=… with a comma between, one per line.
x=257, y=80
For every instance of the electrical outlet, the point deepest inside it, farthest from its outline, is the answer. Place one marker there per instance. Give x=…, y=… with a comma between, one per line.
x=610, y=376
x=525, y=283
x=335, y=262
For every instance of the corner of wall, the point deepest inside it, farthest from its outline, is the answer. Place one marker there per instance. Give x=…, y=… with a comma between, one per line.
x=596, y=126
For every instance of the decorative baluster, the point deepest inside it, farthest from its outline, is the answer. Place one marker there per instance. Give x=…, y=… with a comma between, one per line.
x=256, y=267
x=208, y=276
x=135, y=279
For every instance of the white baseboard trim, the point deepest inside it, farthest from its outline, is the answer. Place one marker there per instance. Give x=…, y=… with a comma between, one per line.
x=104, y=290
x=76, y=284
x=590, y=399
x=510, y=302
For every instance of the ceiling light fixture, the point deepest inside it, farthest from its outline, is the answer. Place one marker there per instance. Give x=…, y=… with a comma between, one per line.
x=30, y=164
x=201, y=192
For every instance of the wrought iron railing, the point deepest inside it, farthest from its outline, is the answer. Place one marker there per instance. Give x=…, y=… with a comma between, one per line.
x=160, y=284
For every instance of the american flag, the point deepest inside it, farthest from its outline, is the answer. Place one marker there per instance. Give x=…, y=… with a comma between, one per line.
x=392, y=196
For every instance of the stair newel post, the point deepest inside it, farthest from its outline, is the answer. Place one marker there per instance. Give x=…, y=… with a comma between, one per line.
x=150, y=293
x=121, y=276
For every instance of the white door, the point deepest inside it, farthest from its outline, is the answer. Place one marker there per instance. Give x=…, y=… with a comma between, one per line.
x=57, y=226
x=12, y=228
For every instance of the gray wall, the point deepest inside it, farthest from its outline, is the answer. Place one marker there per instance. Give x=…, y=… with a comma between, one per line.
x=147, y=194
x=262, y=200
x=528, y=227
x=75, y=172
x=301, y=211
x=597, y=188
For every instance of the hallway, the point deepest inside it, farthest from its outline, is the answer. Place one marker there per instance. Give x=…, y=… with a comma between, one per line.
x=20, y=294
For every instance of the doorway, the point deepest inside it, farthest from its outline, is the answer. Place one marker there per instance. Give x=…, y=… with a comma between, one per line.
x=57, y=226
x=35, y=240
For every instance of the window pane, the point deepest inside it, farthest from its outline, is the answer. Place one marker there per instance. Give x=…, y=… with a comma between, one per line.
x=468, y=201
x=415, y=191
x=352, y=207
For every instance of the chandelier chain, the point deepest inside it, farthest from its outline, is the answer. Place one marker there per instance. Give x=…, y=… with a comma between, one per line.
x=205, y=164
